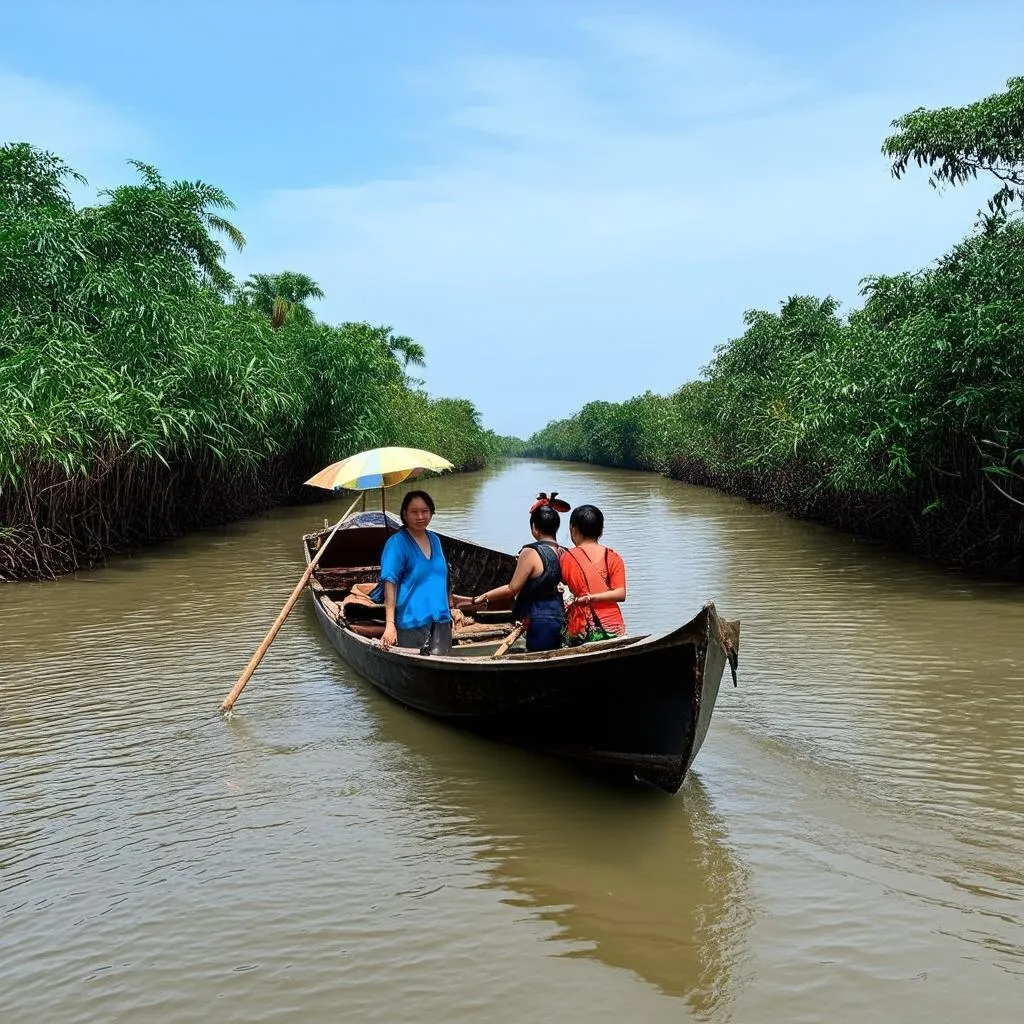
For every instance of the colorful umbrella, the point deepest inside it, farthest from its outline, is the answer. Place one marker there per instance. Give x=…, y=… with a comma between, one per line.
x=379, y=467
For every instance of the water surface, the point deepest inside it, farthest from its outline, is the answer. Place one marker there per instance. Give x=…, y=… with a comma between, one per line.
x=849, y=847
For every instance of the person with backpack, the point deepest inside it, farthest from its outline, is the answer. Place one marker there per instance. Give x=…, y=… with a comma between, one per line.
x=596, y=576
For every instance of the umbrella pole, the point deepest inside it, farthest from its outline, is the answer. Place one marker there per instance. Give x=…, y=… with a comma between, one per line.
x=383, y=510
x=230, y=699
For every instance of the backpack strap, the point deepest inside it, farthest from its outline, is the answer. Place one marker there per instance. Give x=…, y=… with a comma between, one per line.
x=591, y=610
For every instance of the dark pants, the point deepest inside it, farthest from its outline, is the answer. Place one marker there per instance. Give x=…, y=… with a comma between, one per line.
x=430, y=639
x=544, y=633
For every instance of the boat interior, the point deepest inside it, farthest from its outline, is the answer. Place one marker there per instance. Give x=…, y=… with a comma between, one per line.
x=349, y=570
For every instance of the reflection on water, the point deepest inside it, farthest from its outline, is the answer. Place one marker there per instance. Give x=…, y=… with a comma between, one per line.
x=625, y=876
x=849, y=847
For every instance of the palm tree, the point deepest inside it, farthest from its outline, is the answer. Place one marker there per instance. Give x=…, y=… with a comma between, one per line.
x=282, y=297
x=409, y=351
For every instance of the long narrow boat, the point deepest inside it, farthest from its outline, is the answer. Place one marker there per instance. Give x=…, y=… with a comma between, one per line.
x=637, y=704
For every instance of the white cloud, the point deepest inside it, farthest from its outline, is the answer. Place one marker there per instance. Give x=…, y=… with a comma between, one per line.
x=599, y=224
x=683, y=74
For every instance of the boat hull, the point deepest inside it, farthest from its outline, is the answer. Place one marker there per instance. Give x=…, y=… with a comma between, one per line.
x=642, y=708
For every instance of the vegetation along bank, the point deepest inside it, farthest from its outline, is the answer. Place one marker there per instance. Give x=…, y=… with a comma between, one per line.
x=903, y=420
x=143, y=392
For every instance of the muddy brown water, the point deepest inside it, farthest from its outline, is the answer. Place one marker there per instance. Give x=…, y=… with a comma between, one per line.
x=849, y=847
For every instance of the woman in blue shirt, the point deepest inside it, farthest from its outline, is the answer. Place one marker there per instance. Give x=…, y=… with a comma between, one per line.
x=414, y=573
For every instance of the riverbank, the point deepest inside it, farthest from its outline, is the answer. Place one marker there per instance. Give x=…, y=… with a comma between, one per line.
x=57, y=525
x=144, y=393
x=909, y=435
x=904, y=426
x=961, y=528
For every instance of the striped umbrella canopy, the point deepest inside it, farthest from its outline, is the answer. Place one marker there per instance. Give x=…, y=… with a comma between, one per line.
x=378, y=467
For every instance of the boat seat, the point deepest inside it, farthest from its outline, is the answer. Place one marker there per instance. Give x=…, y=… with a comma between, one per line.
x=359, y=609
x=372, y=630
x=495, y=616
x=470, y=633
x=341, y=578
x=496, y=613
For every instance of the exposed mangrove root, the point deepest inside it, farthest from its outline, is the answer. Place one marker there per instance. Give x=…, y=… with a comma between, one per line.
x=951, y=517
x=53, y=525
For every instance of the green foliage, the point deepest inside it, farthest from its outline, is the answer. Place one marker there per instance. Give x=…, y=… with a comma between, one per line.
x=118, y=341
x=280, y=297
x=504, y=445
x=958, y=143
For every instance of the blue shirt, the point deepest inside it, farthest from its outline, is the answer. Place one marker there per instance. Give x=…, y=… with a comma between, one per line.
x=421, y=583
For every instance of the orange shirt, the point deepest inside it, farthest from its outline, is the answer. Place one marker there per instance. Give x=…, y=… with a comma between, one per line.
x=582, y=576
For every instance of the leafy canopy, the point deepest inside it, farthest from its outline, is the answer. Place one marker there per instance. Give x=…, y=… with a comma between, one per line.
x=958, y=143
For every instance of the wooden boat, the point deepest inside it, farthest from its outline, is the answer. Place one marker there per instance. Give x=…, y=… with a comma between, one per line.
x=639, y=705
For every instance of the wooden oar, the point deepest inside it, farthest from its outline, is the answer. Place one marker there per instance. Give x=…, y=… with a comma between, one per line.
x=510, y=640
x=229, y=700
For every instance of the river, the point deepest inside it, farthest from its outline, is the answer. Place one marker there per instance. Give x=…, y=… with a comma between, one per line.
x=848, y=847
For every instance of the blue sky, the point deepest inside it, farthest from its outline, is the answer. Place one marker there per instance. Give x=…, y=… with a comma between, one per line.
x=561, y=201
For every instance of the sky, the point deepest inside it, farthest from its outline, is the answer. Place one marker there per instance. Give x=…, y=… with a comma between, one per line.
x=561, y=201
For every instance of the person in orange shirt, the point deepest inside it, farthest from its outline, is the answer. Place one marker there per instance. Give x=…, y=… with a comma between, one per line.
x=596, y=575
